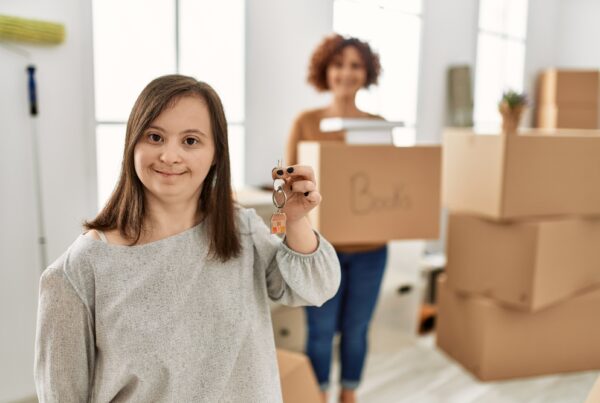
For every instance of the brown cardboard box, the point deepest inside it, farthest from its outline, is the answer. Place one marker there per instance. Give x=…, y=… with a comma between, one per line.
x=528, y=265
x=533, y=174
x=289, y=328
x=374, y=194
x=594, y=396
x=494, y=342
x=581, y=117
x=298, y=381
x=569, y=87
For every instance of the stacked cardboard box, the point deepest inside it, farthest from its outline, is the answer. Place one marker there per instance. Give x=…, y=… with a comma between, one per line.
x=523, y=271
x=569, y=99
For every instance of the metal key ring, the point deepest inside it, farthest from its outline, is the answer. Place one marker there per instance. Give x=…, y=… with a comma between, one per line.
x=279, y=190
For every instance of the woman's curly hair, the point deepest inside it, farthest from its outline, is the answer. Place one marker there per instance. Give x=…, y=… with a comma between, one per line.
x=330, y=47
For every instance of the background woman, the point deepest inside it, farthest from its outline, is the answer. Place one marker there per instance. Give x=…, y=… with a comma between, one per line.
x=342, y=66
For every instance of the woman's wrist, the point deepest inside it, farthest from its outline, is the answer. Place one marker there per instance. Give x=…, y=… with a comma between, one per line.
x=300, y=236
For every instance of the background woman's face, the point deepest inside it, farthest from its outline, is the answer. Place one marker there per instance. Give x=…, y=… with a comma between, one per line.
x=346, y=74
x=174, y=155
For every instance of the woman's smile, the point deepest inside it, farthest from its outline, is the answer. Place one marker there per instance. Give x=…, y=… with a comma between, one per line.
x=168, y=174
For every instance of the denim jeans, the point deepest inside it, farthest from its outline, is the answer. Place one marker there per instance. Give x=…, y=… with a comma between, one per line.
x=349, y=313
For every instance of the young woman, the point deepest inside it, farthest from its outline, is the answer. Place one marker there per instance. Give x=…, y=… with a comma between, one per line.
x=165, y=298
x=342, y=66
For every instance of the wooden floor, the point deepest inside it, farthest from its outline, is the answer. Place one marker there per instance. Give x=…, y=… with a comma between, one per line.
x=416, y=371
x=405, y=368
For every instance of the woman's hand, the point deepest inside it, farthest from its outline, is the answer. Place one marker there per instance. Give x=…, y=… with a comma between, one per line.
x=302, y=196
x=301, y=189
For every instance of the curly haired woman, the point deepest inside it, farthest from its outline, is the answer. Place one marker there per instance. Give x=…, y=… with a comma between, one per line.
x=342, y=66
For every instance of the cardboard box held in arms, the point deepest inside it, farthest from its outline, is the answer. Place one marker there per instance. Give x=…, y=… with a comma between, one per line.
x=533, y=174
x=527, y=264
x=373, y=194
x=494, y=342
x=298, y=381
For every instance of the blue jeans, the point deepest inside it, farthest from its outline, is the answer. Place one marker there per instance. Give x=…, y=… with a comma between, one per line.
x=348, y=312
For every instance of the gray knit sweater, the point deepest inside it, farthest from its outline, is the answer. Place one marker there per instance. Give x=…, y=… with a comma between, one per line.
x=160, y=323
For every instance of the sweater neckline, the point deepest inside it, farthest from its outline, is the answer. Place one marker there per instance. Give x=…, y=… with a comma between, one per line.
x=169, y=239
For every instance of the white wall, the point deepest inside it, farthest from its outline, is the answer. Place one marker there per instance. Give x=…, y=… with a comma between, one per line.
x=449, y=37
x=542, y=19
x=577, y=33
x=65, y=127
x=280, y=38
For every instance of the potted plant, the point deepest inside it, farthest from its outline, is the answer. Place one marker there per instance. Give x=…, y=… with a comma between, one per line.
x=511, y=107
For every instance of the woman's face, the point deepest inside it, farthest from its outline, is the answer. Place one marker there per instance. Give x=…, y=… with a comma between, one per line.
x=174, y=155
x=346, y=74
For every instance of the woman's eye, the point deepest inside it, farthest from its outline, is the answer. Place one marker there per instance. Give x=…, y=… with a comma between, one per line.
x=153, y=137
x=190, y=141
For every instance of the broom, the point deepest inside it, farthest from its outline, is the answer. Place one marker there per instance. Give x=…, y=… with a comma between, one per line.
x=32, y=31
x=35, y=32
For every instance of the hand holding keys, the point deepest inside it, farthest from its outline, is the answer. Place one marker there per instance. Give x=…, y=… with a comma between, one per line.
x=294, y=195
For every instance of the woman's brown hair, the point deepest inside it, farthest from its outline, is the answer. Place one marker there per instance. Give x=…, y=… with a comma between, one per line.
x=332, y=46
x=125, y=210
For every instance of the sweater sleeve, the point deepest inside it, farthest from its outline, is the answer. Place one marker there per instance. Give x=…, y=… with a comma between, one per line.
x=64, y=343
x=294, y=278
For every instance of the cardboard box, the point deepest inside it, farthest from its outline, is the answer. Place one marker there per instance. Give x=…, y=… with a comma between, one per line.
x=298, y=381
x=534, y=174
x=289, y=328
x=553, y=117
x=569, y=87
x=594, y=396
x=494, y=342
x=373, y=193
x=528, y=265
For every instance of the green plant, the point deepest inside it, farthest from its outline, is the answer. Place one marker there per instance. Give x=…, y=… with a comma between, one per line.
x=513, y=99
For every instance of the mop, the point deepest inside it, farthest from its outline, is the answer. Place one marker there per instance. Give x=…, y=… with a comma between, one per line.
x=16, y=29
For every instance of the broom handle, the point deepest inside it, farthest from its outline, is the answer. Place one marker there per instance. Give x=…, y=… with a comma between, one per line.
x=33, y=108
x=33, y=111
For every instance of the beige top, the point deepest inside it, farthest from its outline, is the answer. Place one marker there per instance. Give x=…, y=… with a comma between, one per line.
x=306, y=127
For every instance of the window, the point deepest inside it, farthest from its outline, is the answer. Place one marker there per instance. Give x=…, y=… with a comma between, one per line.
x=136, y=41
x=393, y=29
x=500, y=60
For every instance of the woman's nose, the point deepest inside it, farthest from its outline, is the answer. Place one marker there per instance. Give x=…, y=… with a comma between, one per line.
x=346, y=71
x=170, y=154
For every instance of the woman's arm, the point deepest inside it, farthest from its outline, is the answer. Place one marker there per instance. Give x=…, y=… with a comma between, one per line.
x=294, y=278
x=64, y=343
x=305, y=269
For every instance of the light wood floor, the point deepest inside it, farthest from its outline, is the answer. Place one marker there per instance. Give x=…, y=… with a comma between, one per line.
x=416, y=371
x=404, y=368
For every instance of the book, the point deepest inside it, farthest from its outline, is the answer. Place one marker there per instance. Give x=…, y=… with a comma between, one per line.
x=369, y=137
x=362, y=131
x=353, y=124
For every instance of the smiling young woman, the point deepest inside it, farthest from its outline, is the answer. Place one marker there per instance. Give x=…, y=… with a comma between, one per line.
x=165, y=298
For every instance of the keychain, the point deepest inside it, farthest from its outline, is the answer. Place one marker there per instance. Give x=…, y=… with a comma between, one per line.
x=278, y=218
